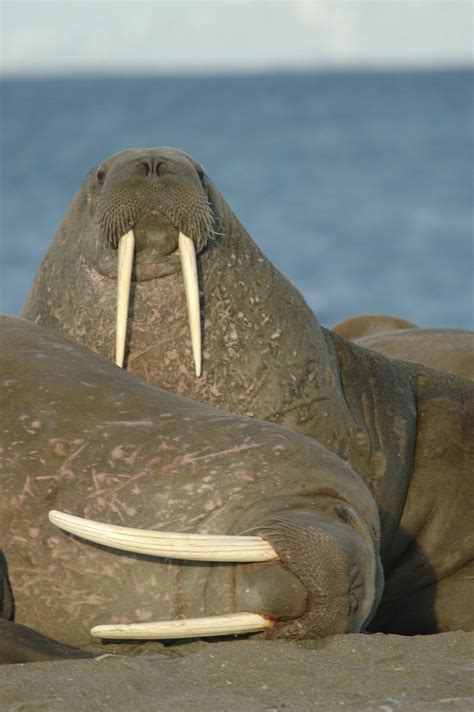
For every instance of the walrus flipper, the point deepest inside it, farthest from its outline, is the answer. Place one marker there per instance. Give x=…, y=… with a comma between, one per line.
x=19, y=644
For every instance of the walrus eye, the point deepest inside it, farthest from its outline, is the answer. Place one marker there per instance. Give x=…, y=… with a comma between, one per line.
x=100, y=176
x=200, y=171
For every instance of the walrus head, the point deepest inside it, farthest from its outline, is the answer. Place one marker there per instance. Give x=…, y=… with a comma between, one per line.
x=145, y=223
x=154, y=206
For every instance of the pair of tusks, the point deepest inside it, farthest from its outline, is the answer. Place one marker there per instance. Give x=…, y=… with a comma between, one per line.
x=187, y=254
x=190, y=547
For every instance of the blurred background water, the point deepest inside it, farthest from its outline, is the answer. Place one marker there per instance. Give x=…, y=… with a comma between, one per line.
x=356, y=185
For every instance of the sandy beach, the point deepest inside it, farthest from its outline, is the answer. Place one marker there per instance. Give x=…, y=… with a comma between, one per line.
x=353, y=672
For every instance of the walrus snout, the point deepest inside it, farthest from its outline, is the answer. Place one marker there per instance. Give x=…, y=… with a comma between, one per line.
x=145, y=183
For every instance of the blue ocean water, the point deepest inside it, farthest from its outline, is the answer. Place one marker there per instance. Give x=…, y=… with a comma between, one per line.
x=356, y=185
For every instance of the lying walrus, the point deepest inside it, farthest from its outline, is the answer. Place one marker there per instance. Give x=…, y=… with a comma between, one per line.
x=86, y=437
x=356, y=327
x=448, y=350
x=403, y=428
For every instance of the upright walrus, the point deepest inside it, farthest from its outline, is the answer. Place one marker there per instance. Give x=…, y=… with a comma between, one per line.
x=292, y=530
x=262, y=354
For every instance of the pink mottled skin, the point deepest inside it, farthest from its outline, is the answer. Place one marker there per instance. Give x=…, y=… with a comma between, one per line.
x=119, y=450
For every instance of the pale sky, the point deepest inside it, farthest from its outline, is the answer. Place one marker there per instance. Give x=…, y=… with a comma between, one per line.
x=109, y=37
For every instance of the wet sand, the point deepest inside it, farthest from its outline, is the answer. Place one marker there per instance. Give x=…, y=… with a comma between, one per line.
x=352, y=672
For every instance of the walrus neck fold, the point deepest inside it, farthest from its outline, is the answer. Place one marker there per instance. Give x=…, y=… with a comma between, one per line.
x=289, y=373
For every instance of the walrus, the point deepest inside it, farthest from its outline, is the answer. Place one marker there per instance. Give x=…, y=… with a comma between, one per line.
x=293, y=532
x=356, y=327
x=261, y=351
x=449, y=350
x=292, y=529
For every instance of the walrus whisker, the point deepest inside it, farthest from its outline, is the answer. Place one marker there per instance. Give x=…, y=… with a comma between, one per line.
x=187, y=254
x=190, y=547
x=124, y=277
x=210, y=626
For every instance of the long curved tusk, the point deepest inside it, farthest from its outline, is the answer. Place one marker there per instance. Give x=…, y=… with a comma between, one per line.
x=124, y=278
x=191, y=547
x=187, y=254
x=231, y=624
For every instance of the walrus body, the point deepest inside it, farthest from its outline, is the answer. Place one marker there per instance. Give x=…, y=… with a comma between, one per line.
x=356, y=327
x=404, y=429
x=119, y=450
x=448, y=350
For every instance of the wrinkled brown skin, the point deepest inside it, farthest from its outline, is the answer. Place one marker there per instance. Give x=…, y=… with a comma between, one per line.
x=86, y=437
x=405, y=430
x=356, y=327
x=448, y=350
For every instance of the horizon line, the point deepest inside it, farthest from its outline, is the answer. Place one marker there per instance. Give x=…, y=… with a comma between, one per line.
x=240, y=71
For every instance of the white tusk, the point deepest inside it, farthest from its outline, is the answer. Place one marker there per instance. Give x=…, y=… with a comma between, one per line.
x=187, y=254
x=231, y=624
x=124, y=278
x=192, y=547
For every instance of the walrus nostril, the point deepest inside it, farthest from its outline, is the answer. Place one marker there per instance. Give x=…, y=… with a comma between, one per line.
x=150, y=167
x=144, y=168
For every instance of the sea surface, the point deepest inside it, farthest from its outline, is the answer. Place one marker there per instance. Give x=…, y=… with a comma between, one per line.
x=357, y=186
